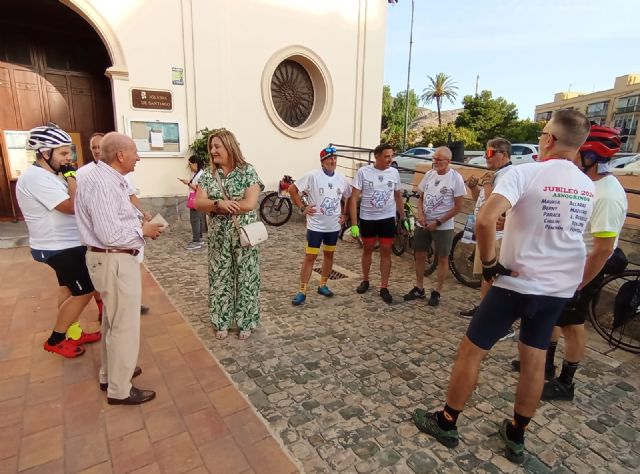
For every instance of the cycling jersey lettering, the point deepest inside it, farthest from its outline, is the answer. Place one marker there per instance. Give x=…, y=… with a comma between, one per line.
x=552, y=211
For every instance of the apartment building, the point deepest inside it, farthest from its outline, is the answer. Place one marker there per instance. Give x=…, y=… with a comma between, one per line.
x=618, y=107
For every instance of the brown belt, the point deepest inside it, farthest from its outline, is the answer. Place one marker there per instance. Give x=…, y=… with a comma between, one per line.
x=133, y=252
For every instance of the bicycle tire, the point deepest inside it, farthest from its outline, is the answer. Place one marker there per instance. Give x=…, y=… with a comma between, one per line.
x=600, y=311
x=399, y=245
x=273, y=214
x=432, y=262
x=461, y=262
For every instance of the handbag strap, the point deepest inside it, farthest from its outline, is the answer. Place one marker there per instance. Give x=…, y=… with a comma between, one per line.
x=226, y=196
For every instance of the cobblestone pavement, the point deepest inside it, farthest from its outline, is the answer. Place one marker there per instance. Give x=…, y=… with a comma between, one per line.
x=337, y=378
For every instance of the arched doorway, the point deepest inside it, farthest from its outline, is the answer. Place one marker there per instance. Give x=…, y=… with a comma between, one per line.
x=52, y=65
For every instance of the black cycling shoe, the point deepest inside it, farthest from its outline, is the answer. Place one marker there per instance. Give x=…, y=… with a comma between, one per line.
x=549, y=372
x=554, y=389
x=415, y=294
x=386, y=296
x=362, y=287
x=434, y=299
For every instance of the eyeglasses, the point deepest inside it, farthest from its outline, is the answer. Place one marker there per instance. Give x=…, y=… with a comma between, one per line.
x=541, y=134
x=490, y=153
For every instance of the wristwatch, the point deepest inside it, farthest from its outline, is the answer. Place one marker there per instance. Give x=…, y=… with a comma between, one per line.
x=438, y=223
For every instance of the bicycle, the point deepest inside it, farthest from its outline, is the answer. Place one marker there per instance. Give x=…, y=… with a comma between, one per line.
x=276, y=207
x=614, y=310
x=461, y=261
x=405, y=229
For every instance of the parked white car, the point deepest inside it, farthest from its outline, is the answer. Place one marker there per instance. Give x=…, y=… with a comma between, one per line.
x=407, y=162
x=520, y=153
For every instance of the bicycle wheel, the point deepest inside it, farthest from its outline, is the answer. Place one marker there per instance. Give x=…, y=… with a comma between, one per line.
x=461, y=262
x=275, y=210
x=432, y=261
x=399, y=239
x=602, y=311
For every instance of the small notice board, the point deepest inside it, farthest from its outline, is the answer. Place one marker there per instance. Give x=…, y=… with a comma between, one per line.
x=156, y=138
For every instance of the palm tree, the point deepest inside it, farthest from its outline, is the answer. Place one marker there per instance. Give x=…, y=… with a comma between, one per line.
x=442, y=87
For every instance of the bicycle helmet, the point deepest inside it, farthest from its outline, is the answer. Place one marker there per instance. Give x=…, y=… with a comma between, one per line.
x=47, y=137
x=601, y=144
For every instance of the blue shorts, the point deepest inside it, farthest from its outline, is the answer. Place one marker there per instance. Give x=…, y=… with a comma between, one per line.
x=328, y=240
x=498, y=311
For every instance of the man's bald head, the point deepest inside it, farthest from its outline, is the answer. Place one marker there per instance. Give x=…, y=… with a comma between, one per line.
x=443, y=153
x=112, y=143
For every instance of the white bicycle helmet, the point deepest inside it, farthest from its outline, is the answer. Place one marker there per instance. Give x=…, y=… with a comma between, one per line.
x=47, y=137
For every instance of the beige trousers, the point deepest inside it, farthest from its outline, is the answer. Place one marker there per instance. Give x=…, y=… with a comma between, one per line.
x=117, y=277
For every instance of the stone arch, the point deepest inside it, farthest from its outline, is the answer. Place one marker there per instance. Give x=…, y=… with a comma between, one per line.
x=118, y=69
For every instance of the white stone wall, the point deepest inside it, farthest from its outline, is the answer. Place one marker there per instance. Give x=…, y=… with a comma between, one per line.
x=223, y=47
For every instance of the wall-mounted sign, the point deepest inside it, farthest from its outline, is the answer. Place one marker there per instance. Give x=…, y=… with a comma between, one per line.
x=177, y=76
x=150, y=99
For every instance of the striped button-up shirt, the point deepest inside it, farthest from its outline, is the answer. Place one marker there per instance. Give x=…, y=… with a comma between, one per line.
x=106, y=218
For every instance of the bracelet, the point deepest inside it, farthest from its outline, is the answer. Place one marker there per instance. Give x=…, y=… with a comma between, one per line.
x=491, y=262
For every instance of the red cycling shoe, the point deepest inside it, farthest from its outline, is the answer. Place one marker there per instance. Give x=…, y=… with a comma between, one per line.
x=86, y=338
x=65, y=349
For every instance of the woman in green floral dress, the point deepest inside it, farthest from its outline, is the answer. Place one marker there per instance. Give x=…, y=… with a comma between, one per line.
x=234, y=271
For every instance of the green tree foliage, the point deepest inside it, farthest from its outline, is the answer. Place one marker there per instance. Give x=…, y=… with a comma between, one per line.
x=440, y=136
x=441, y=87
x=524, y=131
x=393, y=112
x=487, y=116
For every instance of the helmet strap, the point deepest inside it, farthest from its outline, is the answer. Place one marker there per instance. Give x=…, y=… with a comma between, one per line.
x=48, y=160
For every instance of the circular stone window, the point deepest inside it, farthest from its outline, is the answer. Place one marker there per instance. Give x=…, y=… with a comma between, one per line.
x=296, y=92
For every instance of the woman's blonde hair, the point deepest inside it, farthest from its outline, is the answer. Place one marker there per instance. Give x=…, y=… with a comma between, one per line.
x=230, y=144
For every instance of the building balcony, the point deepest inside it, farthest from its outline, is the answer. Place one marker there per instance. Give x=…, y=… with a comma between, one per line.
x=627, y=110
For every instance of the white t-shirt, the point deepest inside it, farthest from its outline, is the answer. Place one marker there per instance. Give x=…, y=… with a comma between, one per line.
x=481, y=198
x=38, y=192
x=609, y=210
x=551, y=204
x=439, y=192
x=377, y=188
x=325, y=193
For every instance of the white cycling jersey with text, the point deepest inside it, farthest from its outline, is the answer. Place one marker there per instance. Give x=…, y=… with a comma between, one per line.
x=551, y=205
x=377, y=188
x=325, y=193
x=439, y=192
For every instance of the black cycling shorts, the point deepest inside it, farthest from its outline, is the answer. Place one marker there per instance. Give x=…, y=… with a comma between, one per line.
x=381, y=228
x=71, y=269
x=576, y=310
x=498, y=311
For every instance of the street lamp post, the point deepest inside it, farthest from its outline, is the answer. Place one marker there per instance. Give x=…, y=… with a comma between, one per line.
x=406, y=96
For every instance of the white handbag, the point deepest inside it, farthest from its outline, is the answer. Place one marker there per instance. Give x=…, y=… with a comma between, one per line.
x=251, y=234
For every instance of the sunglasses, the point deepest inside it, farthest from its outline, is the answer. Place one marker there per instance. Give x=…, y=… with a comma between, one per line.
x=330, y=150
x=541, y=134
x=490, y=153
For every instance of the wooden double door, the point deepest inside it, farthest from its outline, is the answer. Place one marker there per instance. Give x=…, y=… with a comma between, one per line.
x=40, y=85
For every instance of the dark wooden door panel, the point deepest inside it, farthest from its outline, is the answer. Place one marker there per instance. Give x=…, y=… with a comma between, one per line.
x=82, y=109
x=27, y=90
x=8, y=116
x=58, y=100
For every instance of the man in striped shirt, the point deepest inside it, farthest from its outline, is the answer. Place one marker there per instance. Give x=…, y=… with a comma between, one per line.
x=110, y=228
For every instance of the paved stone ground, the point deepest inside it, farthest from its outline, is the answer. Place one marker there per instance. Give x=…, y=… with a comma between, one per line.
x=337, y=379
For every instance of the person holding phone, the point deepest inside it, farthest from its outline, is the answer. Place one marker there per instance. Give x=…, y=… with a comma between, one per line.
x=197, y=219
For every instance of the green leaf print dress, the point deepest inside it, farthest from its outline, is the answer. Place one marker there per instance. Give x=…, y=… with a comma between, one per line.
x=234, y=271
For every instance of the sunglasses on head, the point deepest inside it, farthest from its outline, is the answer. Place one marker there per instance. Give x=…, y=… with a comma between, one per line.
x=330, y=150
